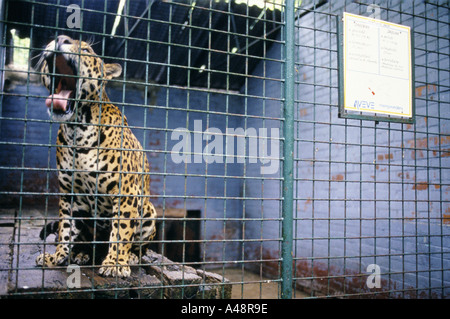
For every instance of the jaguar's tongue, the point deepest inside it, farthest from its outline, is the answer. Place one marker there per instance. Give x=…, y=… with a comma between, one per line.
x=59, y=100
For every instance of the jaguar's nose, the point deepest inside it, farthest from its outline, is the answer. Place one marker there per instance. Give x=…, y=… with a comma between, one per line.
x=63, y=39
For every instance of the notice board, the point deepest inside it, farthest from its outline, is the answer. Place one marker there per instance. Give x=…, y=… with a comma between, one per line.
x=376, y=70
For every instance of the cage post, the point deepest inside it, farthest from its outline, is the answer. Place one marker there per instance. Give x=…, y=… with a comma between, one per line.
x=288, y=152
x=2, y=50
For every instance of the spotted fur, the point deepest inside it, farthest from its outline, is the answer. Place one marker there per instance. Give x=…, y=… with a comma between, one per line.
x=103, y=171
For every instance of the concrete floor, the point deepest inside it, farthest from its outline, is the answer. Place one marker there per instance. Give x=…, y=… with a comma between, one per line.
x=248, y=285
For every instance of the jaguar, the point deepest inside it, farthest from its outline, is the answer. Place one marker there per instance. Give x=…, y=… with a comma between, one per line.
x=103, y=172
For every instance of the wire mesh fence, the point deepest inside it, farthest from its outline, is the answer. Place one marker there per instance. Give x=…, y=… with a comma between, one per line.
x=368, y=192
x=261, y=189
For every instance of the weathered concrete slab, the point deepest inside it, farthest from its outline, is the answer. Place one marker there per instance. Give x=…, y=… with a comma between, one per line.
x=214, y=286
x=138, y=285
x=156, y=277
x=180, y=281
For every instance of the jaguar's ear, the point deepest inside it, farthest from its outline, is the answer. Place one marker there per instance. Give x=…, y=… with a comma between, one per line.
x=112, y=70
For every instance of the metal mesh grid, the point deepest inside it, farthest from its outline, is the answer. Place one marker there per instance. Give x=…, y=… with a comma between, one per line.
x=209, y=211
x=371, y=193
x=364, y=193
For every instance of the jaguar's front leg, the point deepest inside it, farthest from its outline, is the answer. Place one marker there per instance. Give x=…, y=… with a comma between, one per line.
x=116, y=262
x=67, y=232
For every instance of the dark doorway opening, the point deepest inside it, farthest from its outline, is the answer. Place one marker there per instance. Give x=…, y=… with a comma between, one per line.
x=179, y=239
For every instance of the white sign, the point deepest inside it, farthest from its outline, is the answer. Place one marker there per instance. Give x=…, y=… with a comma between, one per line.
x=377, y=65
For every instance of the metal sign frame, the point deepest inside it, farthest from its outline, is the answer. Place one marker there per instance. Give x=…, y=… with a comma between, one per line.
x=345, y=111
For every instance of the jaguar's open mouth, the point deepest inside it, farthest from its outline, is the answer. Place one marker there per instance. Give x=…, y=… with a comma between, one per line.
x=63, y=83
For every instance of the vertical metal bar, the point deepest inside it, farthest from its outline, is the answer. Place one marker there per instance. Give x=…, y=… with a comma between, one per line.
x=2, y=52
x=244, y=225
x=288, y=152
x=227, y=110
x=439, y=180
x=261, y=226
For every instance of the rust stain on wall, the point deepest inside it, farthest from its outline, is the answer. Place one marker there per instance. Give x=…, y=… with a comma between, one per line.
x=421, y=145
x=271, y=264
x=446, y=219
x=307, y=203
x=446, y=216
x=425, y=90
x=445, y=152
x=338, y=178
x=418, y=143
x=388, y=156
x=405, y=175
x=412, y=218
x=303, y=112
x=421, y=186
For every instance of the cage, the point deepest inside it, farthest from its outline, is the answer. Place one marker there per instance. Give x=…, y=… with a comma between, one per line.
x=262, y=188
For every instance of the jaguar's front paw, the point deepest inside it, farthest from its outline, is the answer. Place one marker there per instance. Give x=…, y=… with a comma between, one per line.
x=113, y=270
x=50, y=260
x=81, y=258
